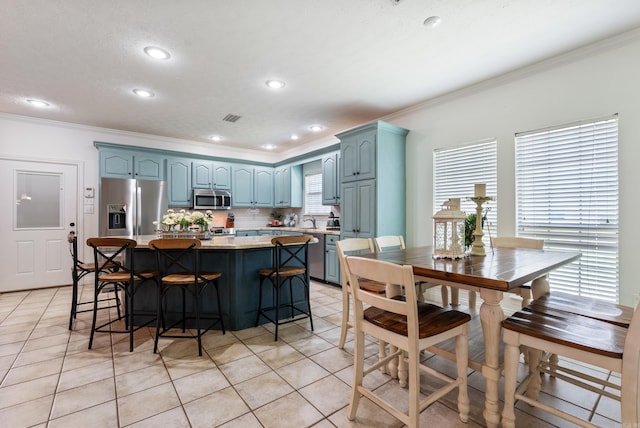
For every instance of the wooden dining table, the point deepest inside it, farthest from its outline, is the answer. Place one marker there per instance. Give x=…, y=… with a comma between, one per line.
x=500, y=270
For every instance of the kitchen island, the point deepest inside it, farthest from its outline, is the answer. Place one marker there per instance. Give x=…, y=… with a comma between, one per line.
x=238, y=259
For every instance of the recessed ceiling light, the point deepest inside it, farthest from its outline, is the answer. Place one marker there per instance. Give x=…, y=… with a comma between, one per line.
x=294, y=137
x=432, y=21
x=38, y=103
x=216, y=138
x=269, y=146
x=143, y=93
x=156, y=53
x=275, y=84
x=316, y=128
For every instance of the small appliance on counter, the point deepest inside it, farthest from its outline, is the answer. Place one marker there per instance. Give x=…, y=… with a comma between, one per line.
x=334, y=222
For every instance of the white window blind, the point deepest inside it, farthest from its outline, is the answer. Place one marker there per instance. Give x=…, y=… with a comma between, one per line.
x=457, y=169
x=313, y=195
x=567, y=194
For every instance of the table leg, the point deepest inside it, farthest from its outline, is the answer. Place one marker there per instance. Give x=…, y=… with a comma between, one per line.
x=491, y=316
x=392, y=367
x=540, y=287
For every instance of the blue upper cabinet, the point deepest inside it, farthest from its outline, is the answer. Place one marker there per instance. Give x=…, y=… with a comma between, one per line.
x=288, y=186
x=211, y=175
x=179, y=182
x=331, y=179
x=131, y=164
x=373, y=184
x=358, y=156
x=252, y=186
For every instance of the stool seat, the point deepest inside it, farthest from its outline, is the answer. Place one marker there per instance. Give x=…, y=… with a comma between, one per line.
x=188, y=278
x=586, y=306
x=284, y=271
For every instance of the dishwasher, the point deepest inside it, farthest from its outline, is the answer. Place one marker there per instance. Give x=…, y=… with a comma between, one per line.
x=316, y=257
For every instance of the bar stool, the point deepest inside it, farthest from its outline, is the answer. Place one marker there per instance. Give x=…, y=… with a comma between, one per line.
x=107, y=252
x=178, y=260
x=78, y=271
x=290, y=262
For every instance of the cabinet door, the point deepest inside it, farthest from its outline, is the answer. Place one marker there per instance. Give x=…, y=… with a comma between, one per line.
x=331, y=263
x=282, y=187
x=263, y=187
x=348, y=210
x=366, y=156
x=349, y=159
x=201, y=174
x=366, y=208
x=179, y=182
x=242, y=185
x=221, y=176
x=115, y=164
x=148, y=167
x=330, y=181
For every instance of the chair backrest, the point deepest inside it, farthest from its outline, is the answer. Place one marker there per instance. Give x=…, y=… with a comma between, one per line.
x=176, y=255
x=361, y=268
x=517, y=242
x=291, y=251
x=395, y=242
x=631, y=373
x=107, y=252
x=351, y=246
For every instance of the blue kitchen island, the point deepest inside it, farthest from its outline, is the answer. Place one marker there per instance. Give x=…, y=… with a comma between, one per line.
x=238, y=259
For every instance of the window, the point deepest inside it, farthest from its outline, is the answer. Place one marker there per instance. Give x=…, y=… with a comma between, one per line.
x=313, y=190
x=457, y=169
x=567, y=194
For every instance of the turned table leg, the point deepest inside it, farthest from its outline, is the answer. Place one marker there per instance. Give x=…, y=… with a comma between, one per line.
x=491, y=316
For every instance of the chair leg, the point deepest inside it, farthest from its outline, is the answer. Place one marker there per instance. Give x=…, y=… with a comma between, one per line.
x=511, y=355
x=197, y=305
x=414, y=385
x=346, y=301
x=472, y=299
x=259, y=301
x=462, y=358
x=159, y=318
x=444, y=292
x=455, y=293
x=277, y=318
x=358, y=374
x=215, y=285
x=74, y=302
x=130, y=291
x=96, y=292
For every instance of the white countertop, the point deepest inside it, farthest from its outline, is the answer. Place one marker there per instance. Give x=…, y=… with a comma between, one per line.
x=225, y=242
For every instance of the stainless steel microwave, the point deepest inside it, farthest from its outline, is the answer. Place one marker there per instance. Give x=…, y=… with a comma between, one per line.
x=206, y=199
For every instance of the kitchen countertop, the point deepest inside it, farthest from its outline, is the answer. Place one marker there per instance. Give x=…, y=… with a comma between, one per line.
x=226, y=242
x=292, y=229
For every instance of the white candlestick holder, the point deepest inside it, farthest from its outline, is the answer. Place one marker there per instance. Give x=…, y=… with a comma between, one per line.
x=477, y=248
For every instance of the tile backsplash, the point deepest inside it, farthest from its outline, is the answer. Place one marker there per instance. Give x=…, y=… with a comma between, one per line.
x=260, y=217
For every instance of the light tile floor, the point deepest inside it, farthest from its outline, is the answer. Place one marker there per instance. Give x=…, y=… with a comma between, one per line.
x=244, y=379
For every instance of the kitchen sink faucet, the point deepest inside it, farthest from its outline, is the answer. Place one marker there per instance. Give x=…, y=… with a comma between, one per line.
x=312, y=220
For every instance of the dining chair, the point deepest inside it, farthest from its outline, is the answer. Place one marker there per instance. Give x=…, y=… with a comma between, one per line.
x=108, y=252
x=409, y=326
x=392, y=242
x=354, y=246
x=79, y=270
x=290, y=266
x=519, y=242
x=602, y=344
x=178, y=261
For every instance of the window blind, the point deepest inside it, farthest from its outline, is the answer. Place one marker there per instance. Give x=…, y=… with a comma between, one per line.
x=457, y=169
x=567, y=194
x=313, y=195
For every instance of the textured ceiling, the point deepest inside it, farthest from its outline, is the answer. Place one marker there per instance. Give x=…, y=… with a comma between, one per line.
x=345, y=62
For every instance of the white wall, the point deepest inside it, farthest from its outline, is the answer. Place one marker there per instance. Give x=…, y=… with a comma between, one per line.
x=589, y=83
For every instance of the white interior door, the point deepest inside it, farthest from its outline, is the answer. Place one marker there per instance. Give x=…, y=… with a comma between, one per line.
x=40, y=201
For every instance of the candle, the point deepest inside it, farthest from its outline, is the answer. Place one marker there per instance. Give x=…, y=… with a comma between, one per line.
x=480, y=190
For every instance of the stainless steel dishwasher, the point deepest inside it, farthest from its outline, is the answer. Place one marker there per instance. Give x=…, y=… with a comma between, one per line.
x=316, y=257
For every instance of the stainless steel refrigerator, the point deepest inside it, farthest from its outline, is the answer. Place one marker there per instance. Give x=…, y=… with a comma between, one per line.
x=129, y=207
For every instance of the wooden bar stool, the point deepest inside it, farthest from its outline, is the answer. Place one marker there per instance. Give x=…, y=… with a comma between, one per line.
x=290, y=267
x=410, y=326
x=600, y=343
x=178, y=260
x=107, y=252
x=78, y=271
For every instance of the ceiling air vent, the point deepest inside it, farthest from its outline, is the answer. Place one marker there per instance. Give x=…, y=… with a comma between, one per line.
x=231, y=118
